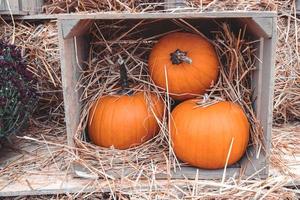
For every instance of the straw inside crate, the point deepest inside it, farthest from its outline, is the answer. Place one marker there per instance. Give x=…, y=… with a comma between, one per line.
x=132, y=41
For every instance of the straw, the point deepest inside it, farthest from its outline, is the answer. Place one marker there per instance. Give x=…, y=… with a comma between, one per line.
x=100, y=76
x=67, y=6
x=48, y=141
x=39, y=45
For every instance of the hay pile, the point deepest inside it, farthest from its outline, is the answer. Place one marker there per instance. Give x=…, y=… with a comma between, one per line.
x=287, y=81
x=285, y=154
x=229, y=5
x=50, y=157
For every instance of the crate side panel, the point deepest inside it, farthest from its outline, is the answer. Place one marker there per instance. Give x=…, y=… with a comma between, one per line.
x=263, y=85
x=72, y=51
x=268, y=77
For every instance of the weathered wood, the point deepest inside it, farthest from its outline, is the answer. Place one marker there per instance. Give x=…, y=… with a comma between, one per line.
x=268, y=81
x=117, y=15
x=190, y=15
x=261, y=25
x=73, y=52
x=20, y=7
x=298, y=7
x=169, y=4
x=263, y=85
x=32, y=6
x=75, y=27
x=56, y=181
x=42, y=184
x=183, y=173
x=6, y=5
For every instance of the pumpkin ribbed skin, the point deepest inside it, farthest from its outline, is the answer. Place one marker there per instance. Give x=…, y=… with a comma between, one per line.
x=124, y=121
x=185, y=80
x=201, y=136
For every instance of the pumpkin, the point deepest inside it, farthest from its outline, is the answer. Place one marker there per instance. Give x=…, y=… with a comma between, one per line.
x=188, y=62
x=126, y=119
x=202, y=136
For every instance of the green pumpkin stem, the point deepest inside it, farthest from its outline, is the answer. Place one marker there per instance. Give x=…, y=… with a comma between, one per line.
x=125, y=89
x=178, y=57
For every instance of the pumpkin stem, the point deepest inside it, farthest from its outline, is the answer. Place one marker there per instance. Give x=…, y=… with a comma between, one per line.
x=124, y=78
x=178, y=57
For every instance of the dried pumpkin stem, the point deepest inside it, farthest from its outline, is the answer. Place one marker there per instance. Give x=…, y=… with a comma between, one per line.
x=178, y=57
x=124, y=78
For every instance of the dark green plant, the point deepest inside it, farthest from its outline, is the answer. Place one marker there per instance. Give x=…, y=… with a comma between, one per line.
x=17, y=96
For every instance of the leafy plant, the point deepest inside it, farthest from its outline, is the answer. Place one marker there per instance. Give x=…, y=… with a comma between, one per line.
x=17, y=96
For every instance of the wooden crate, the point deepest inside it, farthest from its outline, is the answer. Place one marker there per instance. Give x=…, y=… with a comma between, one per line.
x=21, y=7
x=260, y=25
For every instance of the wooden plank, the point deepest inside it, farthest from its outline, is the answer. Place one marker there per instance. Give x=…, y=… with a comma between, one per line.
x=67, y=26
x=259, y=26
x=3, y=5
x=32, y=6
x=20, y=7
x=268, y=81
x=191, y=172
x=6, y=14
x=265, y=24
x=183, y=173
x=70, y=75
x=40, y=184
x=44, y=185
x=264, y=29
x=116, y=15
x=73, y=52
x=75, y=27
x=169, y=4
x=257, y=78
x=58, y=184
x=13, y=5
x=263, y=83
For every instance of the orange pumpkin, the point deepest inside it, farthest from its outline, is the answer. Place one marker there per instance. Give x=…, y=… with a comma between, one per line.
x=191, y=64
x=202, y=136
x=124, y=120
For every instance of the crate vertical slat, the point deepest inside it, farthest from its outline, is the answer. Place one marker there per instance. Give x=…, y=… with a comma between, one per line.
x=21, y=7
x=268, y=71
x=32, y=6
x=169, y=4
x=263, y=85
x=260, y=25
x=6, y=5
x=72, y=52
